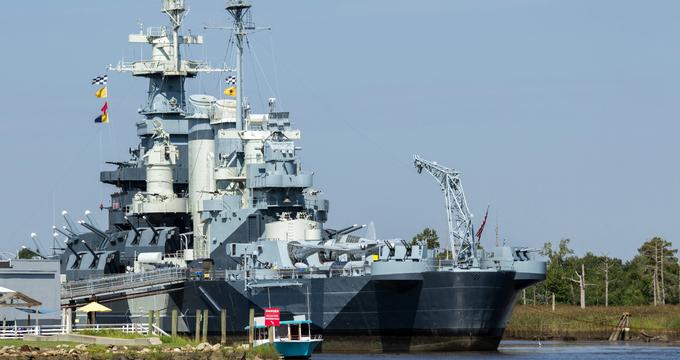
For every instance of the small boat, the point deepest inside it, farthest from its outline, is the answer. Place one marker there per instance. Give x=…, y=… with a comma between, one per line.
x=291, y=339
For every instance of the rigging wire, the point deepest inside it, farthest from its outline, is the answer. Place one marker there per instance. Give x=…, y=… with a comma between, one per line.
x=275, y=69
x=259, y=65
x=260, y=96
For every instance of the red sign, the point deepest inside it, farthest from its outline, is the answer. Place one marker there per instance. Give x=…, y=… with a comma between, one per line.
x=272, y=316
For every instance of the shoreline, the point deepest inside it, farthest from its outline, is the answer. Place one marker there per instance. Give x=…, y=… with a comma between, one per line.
x=648, y=324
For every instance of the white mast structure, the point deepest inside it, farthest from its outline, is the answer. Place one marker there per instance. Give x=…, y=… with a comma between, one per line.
x=166, y=54
x=238, y=10
x=459, y=217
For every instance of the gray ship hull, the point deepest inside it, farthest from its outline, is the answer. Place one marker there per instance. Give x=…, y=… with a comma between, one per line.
x=437, y=311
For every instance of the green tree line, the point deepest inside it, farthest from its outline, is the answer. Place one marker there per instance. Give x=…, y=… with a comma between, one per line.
x=652, y=276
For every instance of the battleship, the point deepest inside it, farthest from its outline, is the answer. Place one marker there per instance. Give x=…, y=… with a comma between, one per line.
x=213, y=211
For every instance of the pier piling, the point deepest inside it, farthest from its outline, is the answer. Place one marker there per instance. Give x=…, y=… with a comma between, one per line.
x=223, y=326
x=205, y=325
x=251, y=328
x=173, y=325
x=151, y=314
x=198, y=325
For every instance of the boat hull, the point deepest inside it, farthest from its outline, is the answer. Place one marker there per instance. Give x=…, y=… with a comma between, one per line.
x=296, y=349
x=436, y=311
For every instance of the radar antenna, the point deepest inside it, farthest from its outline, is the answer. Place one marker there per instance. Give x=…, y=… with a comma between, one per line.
x=461, y=234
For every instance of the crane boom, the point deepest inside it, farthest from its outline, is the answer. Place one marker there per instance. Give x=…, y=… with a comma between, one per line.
x=461, y=233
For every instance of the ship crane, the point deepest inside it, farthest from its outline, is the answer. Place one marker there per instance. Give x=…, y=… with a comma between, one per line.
x=461, y=234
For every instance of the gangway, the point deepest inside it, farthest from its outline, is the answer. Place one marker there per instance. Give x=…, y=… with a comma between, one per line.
x=130, y=284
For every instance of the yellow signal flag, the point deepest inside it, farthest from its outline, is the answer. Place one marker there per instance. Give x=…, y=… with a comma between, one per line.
x=102, y=93
x=105, y=118
x=230, y=91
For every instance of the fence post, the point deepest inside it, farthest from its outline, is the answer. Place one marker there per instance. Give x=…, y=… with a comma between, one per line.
x=158, y=318
x=151, y=313
x=174, y=323
x=198, y=325
x=205, y=325
x=553, y=302
x=251, y=328
x=223, y=326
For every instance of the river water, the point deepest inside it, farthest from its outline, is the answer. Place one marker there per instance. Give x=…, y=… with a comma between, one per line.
x=531, y=350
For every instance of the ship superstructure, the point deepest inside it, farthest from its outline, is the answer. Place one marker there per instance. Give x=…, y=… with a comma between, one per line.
x=215, y=187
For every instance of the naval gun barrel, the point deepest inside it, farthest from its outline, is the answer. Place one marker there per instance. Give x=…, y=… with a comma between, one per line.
x=90, y=219
x=351, y=229
x=90, y=250
x=69, y=222
x=69, y=235
x=346, y=230
x=134, y=228
x=337, y=232
x=90, y=227
x=68, y=245
x=155, y=231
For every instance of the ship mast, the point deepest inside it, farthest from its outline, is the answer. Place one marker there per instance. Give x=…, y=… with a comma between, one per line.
x=238, y=10
x=175, y=11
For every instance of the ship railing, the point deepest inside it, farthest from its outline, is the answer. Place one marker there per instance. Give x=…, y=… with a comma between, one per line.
x=156, y=31
x=442, y=265
x=287, y=274
x=263, y=203
x=156, y=66
x=19, y=331
x=116, y=283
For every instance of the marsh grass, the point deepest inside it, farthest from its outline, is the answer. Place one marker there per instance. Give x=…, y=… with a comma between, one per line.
x=595, y=322
x=266, y=352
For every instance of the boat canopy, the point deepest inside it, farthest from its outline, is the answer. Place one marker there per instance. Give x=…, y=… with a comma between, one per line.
x=285, y=322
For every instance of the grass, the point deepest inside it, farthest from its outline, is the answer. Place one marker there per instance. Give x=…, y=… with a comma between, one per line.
x=168, y=341
x=178, y=341
x=40, y=344
x=596, y=322
x=266, y=352
x=112, y=334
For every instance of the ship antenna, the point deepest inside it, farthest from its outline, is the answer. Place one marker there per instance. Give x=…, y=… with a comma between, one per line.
x=175, y=10
x=238, y=10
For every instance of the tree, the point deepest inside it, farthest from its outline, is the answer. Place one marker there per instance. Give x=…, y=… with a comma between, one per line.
x=560, y=269
x=427, y=236
x=26, y=253
x=656, y=259
x=582, y=285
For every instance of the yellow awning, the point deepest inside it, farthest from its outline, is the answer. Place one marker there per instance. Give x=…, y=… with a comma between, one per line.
x=93, y=307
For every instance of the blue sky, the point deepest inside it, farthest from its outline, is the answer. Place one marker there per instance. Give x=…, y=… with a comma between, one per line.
x=562, y=115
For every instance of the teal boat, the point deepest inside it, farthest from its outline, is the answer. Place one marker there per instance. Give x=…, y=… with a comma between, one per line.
x=292, y=338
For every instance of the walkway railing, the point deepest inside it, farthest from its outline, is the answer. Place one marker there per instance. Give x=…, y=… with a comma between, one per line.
x=18, y=332
x=117, y=283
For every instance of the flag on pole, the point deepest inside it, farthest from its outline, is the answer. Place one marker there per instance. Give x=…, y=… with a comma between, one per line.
x=231, y=80
x=101, y=80
x=481, y=227
x=104, y=117
x=230, y=91
x=102, y=93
